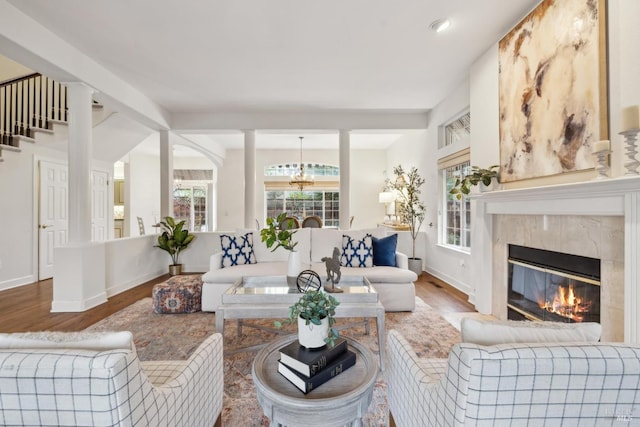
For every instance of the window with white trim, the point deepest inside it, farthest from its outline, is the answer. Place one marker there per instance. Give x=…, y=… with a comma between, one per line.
x=321, y=199
x=456, y=218
x=457, y=130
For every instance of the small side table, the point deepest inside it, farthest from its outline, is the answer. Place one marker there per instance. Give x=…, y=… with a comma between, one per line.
x=341, y=401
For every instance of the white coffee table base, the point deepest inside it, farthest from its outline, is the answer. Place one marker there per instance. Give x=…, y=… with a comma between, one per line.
x=342, y=401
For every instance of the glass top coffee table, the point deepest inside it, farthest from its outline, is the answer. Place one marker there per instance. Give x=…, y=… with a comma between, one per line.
x=269, y=297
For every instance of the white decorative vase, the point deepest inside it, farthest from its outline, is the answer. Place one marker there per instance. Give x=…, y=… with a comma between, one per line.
x=294, y=267
x=491, y=187
x=312, y=336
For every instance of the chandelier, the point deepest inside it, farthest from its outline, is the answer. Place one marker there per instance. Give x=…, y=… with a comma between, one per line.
x=301, y=179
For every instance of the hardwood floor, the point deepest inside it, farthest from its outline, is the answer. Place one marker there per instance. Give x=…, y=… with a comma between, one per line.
x=28, y=308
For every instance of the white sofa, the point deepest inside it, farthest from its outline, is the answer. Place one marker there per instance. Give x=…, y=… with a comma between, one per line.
x=393, y=284
x=96, y=379
x=556, y=383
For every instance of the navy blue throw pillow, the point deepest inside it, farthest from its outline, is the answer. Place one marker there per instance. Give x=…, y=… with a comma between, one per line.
x=384, y=250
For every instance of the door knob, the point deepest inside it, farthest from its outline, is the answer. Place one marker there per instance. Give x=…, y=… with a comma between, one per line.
x=43, y=226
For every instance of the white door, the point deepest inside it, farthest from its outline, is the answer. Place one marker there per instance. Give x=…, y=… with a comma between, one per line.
x=53, y=222
x=99, y=188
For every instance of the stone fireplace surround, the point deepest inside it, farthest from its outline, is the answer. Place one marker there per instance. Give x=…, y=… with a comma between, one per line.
x=598, y=218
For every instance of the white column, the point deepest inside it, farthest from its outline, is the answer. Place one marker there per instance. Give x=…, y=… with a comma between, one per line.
x=345, y=184
x=166, y=175
x=249, y=178
x=482, y=260
x=631, y=269
x=79, y=272
x=79, y=154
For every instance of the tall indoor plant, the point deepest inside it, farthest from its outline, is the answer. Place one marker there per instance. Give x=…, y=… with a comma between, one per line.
x=174, y=239
x=410, y=208
x=272, y=235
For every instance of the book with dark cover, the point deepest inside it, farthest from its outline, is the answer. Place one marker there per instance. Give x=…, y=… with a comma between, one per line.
x=309, y=362
x=306, y=384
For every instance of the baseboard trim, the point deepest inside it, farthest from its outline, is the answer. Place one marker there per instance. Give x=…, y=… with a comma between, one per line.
x=19, y=281
x=462, y=287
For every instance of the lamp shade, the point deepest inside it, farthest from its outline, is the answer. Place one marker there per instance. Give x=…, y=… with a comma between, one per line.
x=386, y=197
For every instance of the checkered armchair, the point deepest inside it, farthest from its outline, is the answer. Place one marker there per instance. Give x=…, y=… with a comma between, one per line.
x=80, y=379
x=559, y=384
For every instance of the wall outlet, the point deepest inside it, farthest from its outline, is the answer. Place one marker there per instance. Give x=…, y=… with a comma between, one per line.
x=462, y=264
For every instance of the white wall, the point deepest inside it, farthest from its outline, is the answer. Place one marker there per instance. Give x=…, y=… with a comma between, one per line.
x=482, y=93
x=366, y=177
x=19, y=237
x=142, y=192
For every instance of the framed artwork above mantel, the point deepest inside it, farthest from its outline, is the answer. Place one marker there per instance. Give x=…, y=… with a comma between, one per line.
x=553, y=90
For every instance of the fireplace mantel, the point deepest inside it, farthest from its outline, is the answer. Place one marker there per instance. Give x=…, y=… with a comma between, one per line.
x=605, y=197
x=597, y=197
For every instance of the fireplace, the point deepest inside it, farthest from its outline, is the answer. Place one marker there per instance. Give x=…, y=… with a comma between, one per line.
x=552, y=286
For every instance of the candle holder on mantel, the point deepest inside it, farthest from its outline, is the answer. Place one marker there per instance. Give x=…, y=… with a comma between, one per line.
x=602, y=163
x=630, y=138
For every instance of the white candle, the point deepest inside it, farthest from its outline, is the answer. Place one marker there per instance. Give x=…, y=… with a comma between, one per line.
x=631, y=118
x=599, y=146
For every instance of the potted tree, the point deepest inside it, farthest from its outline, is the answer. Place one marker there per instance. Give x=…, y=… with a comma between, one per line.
x=486, y=178
x=174, y=239
x=274, y=236
x=314, y=313
x=411, y=209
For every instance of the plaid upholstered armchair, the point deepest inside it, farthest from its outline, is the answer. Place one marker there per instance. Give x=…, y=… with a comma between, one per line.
x=96, y=379
x=560, y=384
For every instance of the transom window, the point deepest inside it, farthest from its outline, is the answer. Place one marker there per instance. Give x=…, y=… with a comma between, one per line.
x=288, y=169
x=457, y=130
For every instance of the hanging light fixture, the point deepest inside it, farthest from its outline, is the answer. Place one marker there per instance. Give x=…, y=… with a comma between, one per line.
x=300, y=179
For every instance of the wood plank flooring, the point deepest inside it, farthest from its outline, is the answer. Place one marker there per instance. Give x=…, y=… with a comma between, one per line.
x=28, y=308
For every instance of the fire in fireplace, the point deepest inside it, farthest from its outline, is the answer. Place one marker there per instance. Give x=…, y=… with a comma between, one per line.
x=546, y=285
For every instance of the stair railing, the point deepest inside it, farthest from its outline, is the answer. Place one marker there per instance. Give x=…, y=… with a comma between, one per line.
x=28, y=103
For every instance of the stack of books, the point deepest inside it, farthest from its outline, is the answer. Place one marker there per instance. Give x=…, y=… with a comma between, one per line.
x=308, y=369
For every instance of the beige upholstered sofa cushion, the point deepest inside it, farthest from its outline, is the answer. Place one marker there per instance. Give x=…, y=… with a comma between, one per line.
x=492, y=332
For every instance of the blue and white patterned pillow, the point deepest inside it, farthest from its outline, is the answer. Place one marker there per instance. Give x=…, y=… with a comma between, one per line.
x=237, y=250
x=356, y=252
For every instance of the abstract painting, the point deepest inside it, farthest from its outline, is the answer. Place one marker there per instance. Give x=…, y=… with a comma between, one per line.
x=552, y=89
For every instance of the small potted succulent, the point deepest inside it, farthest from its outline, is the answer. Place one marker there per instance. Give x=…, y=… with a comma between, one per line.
x=314, y=313
x=484, y=177
x=274, y=236
x=174, y=239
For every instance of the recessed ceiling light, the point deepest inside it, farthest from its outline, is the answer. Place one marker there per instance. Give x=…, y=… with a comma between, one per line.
x=440, y=25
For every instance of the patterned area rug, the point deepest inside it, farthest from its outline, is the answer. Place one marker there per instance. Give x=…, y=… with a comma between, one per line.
x=175, y=336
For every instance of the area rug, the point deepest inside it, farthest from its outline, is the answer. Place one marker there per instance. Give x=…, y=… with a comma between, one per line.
x=175, y=336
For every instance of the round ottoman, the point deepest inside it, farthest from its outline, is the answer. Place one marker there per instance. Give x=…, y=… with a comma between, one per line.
x=179, y=294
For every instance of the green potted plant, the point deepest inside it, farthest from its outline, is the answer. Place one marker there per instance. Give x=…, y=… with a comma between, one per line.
x=410, y=208
x=174, y=239
x=477, y=176
x=274, y=236
x=314, y=313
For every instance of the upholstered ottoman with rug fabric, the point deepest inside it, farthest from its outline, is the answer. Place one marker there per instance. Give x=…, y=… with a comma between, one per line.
x=179, y=294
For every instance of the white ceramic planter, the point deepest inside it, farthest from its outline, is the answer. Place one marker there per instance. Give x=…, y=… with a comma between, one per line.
x=415, y=265
x=294, y=267
x=312, y=336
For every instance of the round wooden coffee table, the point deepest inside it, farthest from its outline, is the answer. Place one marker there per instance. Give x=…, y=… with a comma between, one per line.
x=342, y=400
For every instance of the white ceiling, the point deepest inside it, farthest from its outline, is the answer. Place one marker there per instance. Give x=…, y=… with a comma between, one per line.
x=283, y=55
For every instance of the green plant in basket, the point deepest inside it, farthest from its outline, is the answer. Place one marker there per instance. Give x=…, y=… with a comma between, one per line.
x=313, y=306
